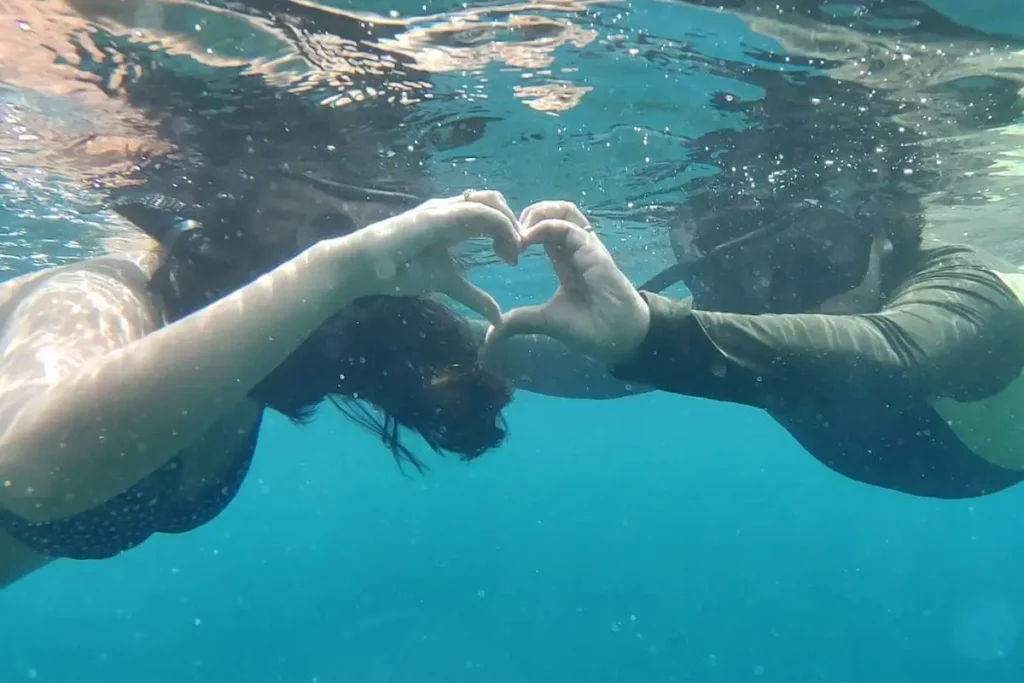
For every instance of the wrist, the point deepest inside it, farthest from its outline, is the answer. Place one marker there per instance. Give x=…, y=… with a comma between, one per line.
x=337, y=274
x=633, y=333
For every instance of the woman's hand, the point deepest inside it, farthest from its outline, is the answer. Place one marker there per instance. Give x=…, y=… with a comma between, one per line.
x=596, y=309
x=407, y=255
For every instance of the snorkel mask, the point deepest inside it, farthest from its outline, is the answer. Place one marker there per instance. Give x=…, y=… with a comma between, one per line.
x=805, y=256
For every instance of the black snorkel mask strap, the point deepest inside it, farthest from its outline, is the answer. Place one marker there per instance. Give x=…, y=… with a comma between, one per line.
x=677, y=272
x=161, y=217
x=349, y=192
x=682, y=271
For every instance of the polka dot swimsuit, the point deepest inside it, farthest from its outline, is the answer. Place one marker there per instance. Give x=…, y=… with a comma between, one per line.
x=128, y=519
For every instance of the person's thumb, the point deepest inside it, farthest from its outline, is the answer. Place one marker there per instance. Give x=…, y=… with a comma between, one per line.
x=518, y=321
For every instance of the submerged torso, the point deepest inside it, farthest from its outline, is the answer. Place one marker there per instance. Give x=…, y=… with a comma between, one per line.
x=188, y=491
x=923, y=396
x=943, y=447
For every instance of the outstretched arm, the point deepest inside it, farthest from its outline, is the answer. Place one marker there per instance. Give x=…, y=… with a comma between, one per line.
x=953, y=330
x=92, y=400
x=542, y=365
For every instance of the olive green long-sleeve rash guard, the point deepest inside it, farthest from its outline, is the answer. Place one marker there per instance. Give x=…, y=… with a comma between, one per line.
x=924, y=397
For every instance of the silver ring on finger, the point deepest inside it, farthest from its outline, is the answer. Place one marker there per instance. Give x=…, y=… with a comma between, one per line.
x=467, y=195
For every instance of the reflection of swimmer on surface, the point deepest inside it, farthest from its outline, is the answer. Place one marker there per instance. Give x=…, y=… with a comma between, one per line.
x=41, y=44
x=893, y=363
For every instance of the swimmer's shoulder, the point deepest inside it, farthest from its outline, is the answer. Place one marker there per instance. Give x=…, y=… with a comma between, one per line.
x=962, y=260
x=132, y=270
x=952, y=253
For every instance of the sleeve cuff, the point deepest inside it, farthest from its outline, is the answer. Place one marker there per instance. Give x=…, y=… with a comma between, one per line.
x=666, y=348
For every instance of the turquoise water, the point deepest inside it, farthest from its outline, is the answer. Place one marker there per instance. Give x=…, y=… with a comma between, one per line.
x=646, y=540
x=652, y=539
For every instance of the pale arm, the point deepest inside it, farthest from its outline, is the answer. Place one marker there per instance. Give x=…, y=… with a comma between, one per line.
x=90, y=403
x=92, y=400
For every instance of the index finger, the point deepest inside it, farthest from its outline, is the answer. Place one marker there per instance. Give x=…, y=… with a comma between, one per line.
x=472, y=219
x=495, y=200
x=556, y=232
x=565, y=243
x=552, y=209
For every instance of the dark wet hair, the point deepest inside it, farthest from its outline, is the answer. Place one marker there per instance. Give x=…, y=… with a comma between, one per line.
x=387, y=363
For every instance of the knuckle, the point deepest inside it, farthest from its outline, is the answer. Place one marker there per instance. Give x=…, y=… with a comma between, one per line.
x=465, y=211
x=433, y=203
x=489, y=196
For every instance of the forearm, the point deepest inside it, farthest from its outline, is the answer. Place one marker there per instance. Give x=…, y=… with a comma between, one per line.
x=951, y=332
x=542, y=365
x=96, y=433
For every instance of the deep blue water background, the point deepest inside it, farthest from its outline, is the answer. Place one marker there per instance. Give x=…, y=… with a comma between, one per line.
x=649, y=540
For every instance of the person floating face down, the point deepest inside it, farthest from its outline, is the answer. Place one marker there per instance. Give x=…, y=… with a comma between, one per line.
x=133, y=385
x=893, y=362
